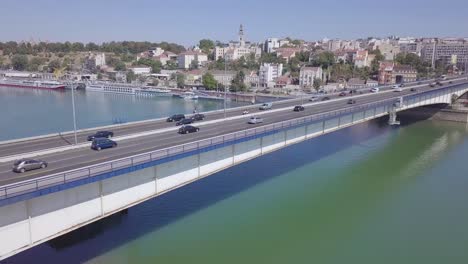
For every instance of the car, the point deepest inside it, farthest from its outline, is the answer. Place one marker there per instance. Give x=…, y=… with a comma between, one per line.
x=175, y=118
x=298, y=108
x=101, y=134
x=198, y=117
x=439, y=83
x=255, y=120
x=266, y=106
x=432, y=84
x=185, y=121
x=102, y=143
x=313, y=98
x=375, y=90
x=419, y=82
x=245, y=112
x=450, y=82
x=398, y=89
x=326, y=98
x=351, y=101
x=413, y=90
x=402, y=85
x=342, y=94
x=188, y=129
x=24, y=165
x=353, y=92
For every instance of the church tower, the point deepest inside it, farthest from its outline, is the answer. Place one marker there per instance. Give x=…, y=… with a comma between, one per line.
x=241, y=36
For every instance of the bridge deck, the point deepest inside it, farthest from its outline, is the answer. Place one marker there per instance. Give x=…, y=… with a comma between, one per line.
x=77, y=158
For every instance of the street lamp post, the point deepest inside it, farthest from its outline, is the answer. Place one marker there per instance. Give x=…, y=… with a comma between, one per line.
x=225, y=92
x=73, y=108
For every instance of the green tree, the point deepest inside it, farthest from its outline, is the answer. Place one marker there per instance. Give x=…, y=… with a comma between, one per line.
x=180, y=78
x=19, y=62
x=131, y=76
x=54, y=65
x=209, y=81
x=156, y=67
x=206, y=45
x=120, y=66
x=317, y=83
x=99, y=76
x=324, y=59
x=193, y=65
x=238, y=82
x=34, y=63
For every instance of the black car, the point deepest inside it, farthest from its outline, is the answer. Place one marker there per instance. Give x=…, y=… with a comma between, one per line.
x=450, y=82
x=413, y=90
x=175, y=118
x=184, y=121
x=103, y=143
x=439, y=83
x=342, y=94
x=326, y=98
x=198, y=117
x=298, y=108
x=188, y=129
x=101, y=134
x=351, y=101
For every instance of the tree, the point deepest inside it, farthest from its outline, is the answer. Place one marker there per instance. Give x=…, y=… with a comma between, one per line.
x=317, y=83
x=324, y=59
x=180, y=79
x=131, y=76
x=156, y=67
x=120, y=66
x=238, y=81
x=155, y=82
x=209, y=81
x=193, y=65
x=19, y=62
x=99, y=76
x=54, y=65
x=206, y=45
x=171, y=65
x=34, y=64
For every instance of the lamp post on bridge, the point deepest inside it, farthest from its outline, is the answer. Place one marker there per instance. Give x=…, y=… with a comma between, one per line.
x=73, y=108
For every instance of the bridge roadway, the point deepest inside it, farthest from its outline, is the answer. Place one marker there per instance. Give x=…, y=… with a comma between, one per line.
x=77, y=158
x=67, y=139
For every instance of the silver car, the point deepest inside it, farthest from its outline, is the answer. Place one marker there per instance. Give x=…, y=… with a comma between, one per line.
x=255, y=120
x=24, y=165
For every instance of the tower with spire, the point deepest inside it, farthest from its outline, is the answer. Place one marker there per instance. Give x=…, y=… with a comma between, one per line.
x=241, y=36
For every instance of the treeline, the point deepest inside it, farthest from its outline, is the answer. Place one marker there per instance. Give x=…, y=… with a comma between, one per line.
x=117, y=47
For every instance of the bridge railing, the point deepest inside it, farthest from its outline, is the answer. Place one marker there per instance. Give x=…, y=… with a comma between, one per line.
x=32, y=185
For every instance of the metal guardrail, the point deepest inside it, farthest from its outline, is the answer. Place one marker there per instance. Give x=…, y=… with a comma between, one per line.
x=32, y=185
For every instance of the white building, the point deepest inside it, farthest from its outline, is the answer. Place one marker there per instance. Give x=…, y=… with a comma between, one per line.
x=138, y=70
x=269, y=72
x=271, y=45
x=237, y=50
x=362, y=59
x=100, y=59
x=185, y=59
x=308, y=75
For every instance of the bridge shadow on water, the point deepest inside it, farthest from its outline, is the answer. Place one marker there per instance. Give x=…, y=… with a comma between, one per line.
x=116, y=230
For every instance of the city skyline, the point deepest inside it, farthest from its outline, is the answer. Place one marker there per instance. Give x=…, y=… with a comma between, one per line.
x=186, y=23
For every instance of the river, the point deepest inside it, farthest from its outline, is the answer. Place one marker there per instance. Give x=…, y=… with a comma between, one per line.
x=32, y=112
x=366, y=194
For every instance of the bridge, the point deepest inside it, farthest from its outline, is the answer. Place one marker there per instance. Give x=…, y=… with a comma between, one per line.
x=81, y=186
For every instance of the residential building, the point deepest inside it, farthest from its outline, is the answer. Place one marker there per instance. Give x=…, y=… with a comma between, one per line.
x=334, y=45
x=287, y=53
x=140, y=69
x=307, y=76
x=355, y=83
x=271, y=45
x=100, y=59
x=224, y=78
x=388, y=50
x=389, y=73
x=362, y=59
x=269, y=72
x=447, y=52
x=186, y=59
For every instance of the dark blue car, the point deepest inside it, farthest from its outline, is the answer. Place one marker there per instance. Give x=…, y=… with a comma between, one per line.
x=102, y=143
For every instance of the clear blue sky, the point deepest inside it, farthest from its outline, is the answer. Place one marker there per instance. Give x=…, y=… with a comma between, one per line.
x=188, y=21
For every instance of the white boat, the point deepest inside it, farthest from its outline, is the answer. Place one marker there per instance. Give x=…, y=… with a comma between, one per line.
x=124, y=88
x=34, y=84
x=189, y=96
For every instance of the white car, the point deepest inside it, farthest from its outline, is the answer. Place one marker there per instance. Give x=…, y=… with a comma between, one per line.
x=314, y=98
x=255, y=120
x=397, y=88
x=245, y=112
x=375, y=90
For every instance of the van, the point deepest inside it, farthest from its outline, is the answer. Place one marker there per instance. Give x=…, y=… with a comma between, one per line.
x=266, y=106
